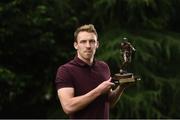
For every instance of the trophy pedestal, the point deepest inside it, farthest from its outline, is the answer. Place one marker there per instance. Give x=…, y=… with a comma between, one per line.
x=121, y=78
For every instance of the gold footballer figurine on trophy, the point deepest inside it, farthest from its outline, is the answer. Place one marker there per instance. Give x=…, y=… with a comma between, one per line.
x=127, y=50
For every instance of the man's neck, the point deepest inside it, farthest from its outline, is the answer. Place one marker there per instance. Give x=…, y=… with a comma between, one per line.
x=88, y=61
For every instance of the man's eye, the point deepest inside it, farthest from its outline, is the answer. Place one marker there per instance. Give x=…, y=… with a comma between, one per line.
x=83, y=41
x=92, y=41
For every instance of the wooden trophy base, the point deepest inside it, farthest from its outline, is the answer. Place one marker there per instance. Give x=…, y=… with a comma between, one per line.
x=121, y=78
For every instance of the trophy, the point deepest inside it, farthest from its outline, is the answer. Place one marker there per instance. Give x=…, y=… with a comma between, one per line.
x=127, y=51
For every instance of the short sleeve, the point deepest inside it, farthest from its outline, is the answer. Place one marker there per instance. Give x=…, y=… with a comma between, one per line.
x=63, y=78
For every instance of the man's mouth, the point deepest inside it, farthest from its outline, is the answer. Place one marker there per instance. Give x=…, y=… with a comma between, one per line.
x=88, y=51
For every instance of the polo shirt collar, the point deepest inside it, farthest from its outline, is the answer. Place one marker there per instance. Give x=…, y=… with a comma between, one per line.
x=82, y=63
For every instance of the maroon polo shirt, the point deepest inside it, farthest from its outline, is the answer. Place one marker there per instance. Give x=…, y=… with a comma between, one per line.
x=83, y=78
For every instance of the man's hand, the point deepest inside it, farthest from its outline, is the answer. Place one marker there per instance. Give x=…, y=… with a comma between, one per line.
x=105, y=86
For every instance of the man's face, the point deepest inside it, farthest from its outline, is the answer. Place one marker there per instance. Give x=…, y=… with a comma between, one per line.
x=86, y=45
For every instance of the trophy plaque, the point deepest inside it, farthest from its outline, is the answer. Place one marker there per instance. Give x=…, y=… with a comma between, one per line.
x=127, y=51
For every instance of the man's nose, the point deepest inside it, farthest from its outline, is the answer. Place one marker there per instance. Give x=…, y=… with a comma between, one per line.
x=88, y=44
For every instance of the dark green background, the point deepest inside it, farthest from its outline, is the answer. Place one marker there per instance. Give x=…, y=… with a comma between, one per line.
x=36, y=37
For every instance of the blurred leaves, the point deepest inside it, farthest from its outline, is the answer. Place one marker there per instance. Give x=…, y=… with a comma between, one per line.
x=156, y=61
x=37, y=36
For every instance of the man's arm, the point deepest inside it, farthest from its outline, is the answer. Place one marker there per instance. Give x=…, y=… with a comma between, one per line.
x=71, y=104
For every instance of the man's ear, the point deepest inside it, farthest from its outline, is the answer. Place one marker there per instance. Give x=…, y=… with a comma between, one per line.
x=75, y=45
x=97, y=45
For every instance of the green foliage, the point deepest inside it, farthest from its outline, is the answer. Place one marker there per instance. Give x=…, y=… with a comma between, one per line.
x=37, y=36
x=6, y=80
x=156, y=61
x=134, y=13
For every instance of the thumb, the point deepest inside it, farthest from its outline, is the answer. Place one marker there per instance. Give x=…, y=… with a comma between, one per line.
x=109, y=79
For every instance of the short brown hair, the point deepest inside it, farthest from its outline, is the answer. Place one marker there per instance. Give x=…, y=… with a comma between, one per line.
x=87, y=28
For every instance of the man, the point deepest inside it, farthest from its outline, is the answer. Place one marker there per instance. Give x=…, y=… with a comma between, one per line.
x=84, y=84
